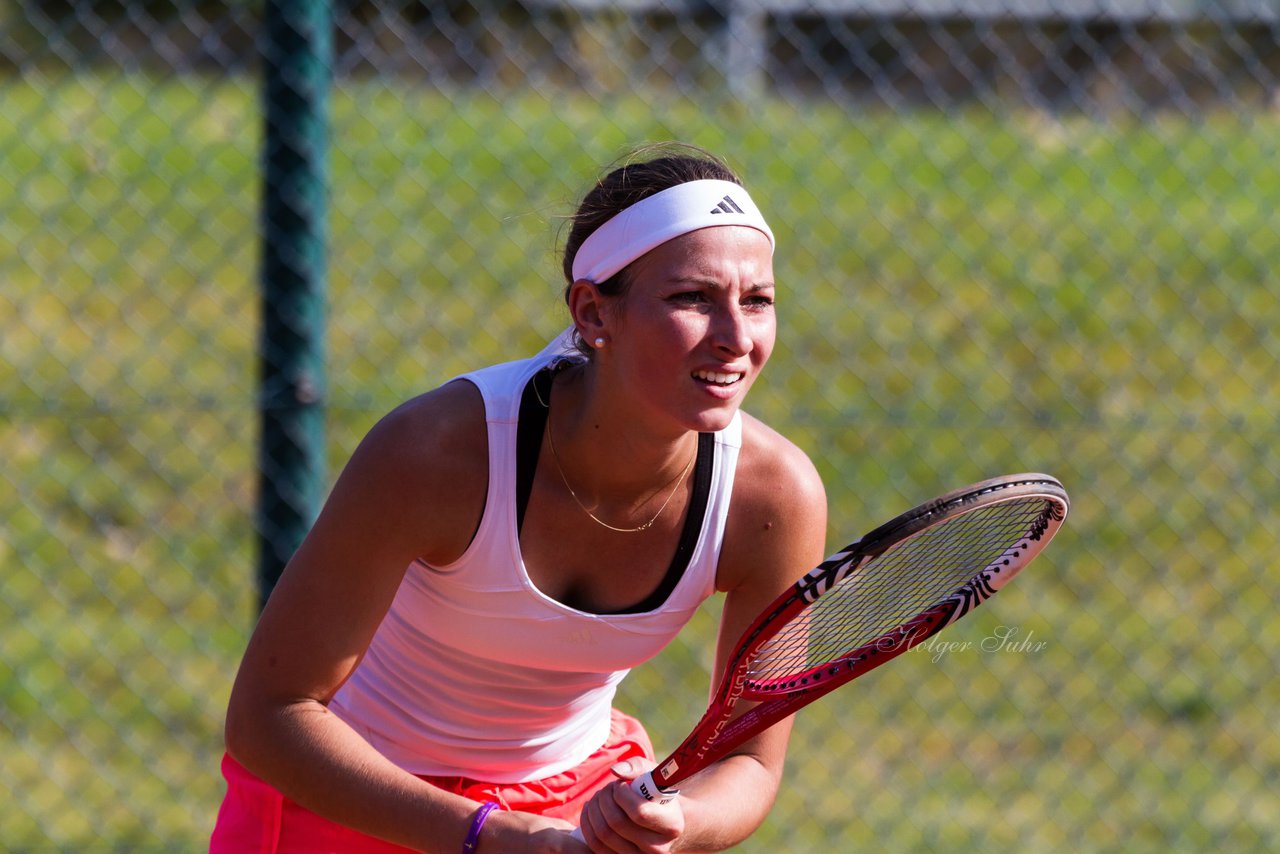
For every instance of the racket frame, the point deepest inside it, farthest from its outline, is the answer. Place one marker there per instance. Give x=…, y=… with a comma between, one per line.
x=720, y=731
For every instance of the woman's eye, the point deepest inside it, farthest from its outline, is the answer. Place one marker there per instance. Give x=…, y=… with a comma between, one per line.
x=688, y=297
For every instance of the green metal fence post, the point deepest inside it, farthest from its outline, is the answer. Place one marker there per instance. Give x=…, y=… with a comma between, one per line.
x=291, y=474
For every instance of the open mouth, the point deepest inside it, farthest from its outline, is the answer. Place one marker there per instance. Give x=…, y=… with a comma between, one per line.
x=716, y=378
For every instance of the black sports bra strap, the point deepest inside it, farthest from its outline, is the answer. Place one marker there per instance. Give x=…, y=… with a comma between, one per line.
x=529, y=430
x=692, y=527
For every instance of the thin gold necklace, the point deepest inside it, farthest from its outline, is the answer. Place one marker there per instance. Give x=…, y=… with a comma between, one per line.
x=647, y=525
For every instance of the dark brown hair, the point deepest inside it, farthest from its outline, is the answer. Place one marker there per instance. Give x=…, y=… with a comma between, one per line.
x=648, y=170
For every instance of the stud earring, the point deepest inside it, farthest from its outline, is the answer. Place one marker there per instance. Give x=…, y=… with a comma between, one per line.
x=599, y=342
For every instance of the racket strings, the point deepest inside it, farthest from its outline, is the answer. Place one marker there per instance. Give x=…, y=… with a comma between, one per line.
x=883, y=594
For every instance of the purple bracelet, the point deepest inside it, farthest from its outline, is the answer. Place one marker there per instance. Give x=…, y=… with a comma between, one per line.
x=473, y=835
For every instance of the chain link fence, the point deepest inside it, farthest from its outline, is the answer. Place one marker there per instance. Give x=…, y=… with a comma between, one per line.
x=1013, y=235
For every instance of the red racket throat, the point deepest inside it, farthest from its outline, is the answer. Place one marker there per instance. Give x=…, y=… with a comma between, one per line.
x=873, y=600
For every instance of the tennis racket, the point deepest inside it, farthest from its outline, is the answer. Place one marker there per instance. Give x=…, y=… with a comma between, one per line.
x=873, y=600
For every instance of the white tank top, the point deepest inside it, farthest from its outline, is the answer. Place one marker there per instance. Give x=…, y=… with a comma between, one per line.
x=474, y=672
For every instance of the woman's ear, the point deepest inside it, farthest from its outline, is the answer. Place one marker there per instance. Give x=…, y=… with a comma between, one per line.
x=587, y=309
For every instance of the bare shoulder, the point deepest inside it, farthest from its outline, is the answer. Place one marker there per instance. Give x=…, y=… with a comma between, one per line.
x=425, y=464
x=778, y=517
x=774, y=472
x=448, y=418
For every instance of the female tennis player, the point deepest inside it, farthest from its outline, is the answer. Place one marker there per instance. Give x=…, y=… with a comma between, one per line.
x=436, y=668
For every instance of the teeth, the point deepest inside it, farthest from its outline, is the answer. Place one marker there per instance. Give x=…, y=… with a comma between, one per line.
x=717, y=378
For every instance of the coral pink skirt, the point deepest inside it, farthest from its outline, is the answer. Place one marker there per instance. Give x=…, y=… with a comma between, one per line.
x=254, y=817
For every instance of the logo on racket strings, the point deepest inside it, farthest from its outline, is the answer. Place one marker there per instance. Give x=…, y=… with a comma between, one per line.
x=826, y=575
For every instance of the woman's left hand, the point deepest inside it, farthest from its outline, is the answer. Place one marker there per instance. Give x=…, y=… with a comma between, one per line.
x=619, y=821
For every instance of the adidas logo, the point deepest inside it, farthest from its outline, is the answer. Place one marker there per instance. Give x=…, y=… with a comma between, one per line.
x=728, y=205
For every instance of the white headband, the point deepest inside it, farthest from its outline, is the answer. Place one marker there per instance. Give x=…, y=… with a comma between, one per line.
x=661, y=217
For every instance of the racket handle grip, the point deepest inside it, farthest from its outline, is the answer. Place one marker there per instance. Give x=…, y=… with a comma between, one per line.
x=645, y=788
x=651, y=791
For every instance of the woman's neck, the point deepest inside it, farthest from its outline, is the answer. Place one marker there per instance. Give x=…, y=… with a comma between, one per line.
x=606, y=445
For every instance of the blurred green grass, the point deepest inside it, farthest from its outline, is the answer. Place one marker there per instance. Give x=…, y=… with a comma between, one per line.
x=963, y=294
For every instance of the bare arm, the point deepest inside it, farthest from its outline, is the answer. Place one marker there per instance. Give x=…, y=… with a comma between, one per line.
x=776, y=533
x=414, y=488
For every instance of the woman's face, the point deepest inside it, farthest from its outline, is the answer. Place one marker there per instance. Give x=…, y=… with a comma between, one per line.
x=695, y=326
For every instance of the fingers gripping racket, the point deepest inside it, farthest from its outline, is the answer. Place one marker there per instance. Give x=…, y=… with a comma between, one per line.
x=895, y=587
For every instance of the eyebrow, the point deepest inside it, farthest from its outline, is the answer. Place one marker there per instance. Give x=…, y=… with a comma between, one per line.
x=715, y=283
